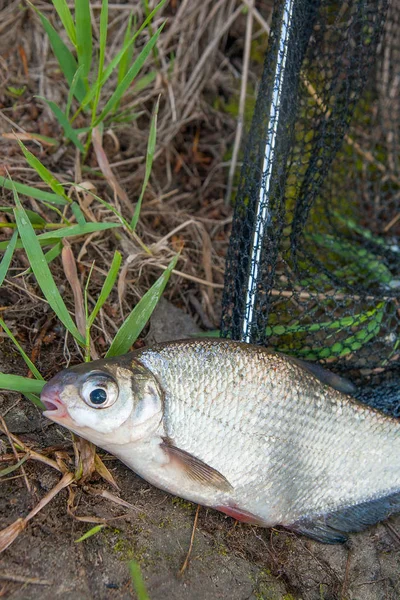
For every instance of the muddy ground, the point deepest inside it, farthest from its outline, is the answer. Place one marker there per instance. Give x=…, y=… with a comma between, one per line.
x=229, y=560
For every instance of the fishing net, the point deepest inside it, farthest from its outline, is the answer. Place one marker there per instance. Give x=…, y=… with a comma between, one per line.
x=313, y=267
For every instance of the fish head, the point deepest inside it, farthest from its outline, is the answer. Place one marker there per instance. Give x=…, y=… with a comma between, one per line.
x=114, y=401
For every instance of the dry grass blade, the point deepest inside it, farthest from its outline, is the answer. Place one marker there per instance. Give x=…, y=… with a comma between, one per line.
x=104, y=472
x=242, y=101
x=112, y=498
x=89, y=519
x=105, y=168
x=189, y=552
x=71, y=274
x=207, y=261
x=10, y=533
x=28, y=137
x=85, y=453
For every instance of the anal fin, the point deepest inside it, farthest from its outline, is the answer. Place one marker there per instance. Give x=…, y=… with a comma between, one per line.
x=195, y=468
x=332, y=528
x=241, y=515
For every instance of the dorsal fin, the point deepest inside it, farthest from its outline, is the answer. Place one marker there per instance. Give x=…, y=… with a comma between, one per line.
x=341, y=384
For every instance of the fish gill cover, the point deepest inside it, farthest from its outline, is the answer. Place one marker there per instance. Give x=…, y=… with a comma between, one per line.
x=313, y=267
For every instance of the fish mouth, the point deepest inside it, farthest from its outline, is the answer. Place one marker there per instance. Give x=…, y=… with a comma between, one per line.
x=55, y=409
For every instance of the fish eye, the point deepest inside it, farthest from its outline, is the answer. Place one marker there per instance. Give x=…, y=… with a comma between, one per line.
x=99, y=390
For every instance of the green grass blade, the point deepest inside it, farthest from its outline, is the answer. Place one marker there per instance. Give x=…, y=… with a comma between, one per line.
x=116, y=60
x=34, y=218
x=14, y=467
x=130, y=76
x=151, y=145
x=89, y=533
x=50, y=238
x=26, y=358
x=8, y=254
x=107, y=287
x=69, y=131
x=24, y=385
x=80, y=217
x=145, y=4
x=137, y=319
x=66, y=19
x=49, y=256
x=65, y=59
x=35, y=400
x=83, y=35
x=73, y=230
x=43, y=172
x=102, y=52
x=137, y=581
x=54, y=252
x=27, y=190
x=72, y=89
x=41, y=270
x=143, y=82
x=214, y=333
x=128, y=54
x=126, y=116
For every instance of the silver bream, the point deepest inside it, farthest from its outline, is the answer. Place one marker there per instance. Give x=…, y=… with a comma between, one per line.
x=260, y=436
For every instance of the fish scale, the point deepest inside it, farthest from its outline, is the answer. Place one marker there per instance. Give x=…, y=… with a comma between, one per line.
x=256, y=434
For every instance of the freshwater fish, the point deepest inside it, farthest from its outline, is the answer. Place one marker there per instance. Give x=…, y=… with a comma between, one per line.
x=263, y=437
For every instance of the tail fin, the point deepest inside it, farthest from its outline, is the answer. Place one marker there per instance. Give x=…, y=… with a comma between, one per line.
x=332, y=528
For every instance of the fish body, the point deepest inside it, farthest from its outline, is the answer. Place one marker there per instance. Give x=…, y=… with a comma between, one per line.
x=253, y=433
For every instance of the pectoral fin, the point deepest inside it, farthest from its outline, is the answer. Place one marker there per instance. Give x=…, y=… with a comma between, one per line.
x=195, y=468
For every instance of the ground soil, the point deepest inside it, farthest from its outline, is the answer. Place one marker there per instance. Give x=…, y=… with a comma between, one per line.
x=230, y=561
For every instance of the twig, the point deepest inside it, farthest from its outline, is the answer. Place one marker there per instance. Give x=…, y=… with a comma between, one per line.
x=32, y=454
x=392, y=222
x=218, y=286
x=173, y=232
x=330, y=295
x=5, y=429
x=346, y=577
x=257, y=16
x=186, y=561
x=22, y=579
x=393, y=531
x=39, y=340
x=242, y=100
x=193, y=82
x=10, y=533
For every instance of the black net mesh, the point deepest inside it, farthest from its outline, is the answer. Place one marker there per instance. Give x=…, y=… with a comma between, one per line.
x=325, y=270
